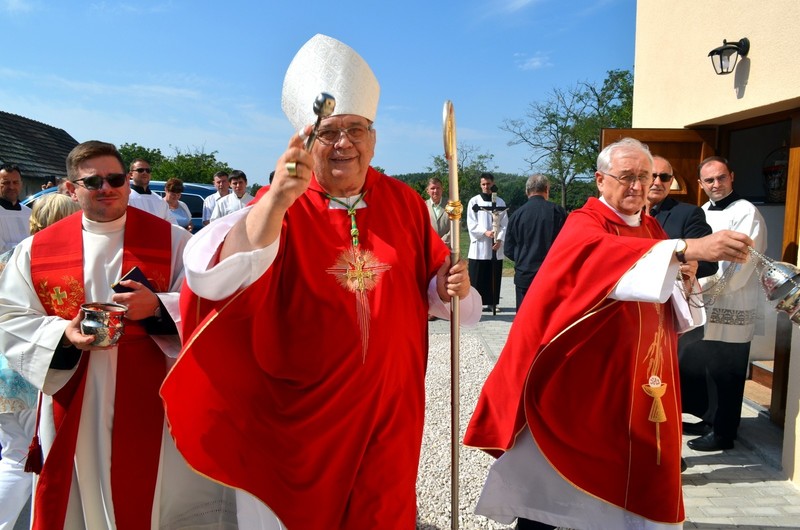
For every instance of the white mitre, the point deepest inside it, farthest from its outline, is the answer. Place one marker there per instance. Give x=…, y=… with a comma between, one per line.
x=324, y=64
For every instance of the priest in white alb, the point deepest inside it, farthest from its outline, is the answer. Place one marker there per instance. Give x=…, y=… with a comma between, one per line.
x=108, y=462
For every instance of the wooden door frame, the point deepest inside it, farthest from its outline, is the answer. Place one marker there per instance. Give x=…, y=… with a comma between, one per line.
x=791, y=236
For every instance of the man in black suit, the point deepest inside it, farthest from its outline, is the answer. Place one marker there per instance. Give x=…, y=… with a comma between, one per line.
x=531, y=232
x=681, y=220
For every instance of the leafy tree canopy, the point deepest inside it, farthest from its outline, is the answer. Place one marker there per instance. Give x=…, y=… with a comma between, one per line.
x=563, y=131
x=193, y=165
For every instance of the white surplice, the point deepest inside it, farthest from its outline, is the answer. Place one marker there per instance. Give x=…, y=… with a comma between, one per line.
x=151, y=203
x=14, y=227
x=29, y=337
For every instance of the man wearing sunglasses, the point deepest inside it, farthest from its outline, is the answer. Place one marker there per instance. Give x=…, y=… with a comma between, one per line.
x=13, y=215
x=107, y=460
x=680, y=220
x=141, y=195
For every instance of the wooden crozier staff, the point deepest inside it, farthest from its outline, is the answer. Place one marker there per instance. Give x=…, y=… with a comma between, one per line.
x=454, y=210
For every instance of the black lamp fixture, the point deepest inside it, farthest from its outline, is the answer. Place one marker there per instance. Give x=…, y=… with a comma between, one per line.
x=724, y=57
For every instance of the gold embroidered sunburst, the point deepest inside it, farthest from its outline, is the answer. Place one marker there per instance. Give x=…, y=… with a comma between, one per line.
x=359, y=271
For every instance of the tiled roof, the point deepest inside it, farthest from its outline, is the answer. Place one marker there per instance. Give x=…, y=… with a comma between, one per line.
x=40, y=150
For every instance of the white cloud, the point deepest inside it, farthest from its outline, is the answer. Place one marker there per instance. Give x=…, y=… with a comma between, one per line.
x=17, y=6
x=512, y=6
x=538, y=61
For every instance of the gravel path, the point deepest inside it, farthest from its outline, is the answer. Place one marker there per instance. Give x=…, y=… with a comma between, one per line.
x=433, y=482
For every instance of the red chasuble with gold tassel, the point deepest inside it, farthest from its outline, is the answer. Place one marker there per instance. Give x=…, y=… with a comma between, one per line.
x=314, y=375
x=594, y=379
x=57, y=275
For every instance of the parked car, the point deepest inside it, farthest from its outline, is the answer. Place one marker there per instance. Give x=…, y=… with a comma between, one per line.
x=193, y=195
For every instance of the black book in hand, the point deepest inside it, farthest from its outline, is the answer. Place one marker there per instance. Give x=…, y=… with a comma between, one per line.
x=135, y=274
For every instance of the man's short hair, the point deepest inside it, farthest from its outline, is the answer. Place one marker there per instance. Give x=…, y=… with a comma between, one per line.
x=487, y=176
x=537, y=183
x=221, y=174
x=135, y=160
x=671, y=169
x=87, y=150
x=237, y=174
x=625, y=145
x=435, y=180
x=8, y=168
x=720, y=159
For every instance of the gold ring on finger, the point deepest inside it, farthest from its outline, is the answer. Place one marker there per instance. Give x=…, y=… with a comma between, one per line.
x=291, y=168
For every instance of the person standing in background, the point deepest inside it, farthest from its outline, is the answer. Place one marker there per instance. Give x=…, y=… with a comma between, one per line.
x=223, y=186
x=141, y=196
x=172, y=195
x=723, y=353
x=531, y=232
x=236, y=200
x=486, y=224
x=436, y=204
x=14, y=217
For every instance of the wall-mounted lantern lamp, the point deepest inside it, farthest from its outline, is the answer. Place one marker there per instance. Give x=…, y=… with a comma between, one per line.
x=724, y=57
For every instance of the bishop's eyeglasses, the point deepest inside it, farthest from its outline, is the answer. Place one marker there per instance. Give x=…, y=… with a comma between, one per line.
x=356, y=134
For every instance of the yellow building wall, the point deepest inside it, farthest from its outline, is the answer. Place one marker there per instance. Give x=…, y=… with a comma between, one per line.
x=674, y=83
x=675, y=86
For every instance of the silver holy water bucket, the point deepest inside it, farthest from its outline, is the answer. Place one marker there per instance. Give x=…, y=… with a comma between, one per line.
x=106, y=321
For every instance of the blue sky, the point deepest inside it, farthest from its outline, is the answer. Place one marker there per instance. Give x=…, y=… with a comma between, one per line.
x=198, y=74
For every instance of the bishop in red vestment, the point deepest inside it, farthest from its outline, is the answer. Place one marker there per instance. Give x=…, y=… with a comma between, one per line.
x=302, y=377
x=590, y=367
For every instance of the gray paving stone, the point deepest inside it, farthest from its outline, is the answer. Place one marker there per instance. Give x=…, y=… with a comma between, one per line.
x=743, y=488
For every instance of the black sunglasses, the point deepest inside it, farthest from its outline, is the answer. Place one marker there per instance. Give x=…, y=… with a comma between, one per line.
x=665, y=177
x=141, y=170
x=95, y=182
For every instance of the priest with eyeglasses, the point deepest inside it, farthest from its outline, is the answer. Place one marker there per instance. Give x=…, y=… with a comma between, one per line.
x=582, y=409
x=313, y=410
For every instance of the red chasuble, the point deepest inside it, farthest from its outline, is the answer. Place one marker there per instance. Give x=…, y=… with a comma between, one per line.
x=57, y=275
x=594, y=379
x=306, y=389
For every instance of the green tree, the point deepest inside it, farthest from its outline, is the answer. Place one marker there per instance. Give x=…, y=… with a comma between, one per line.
x=563, y=131
x=471, y=163
x=131, y=152
x=191, y=166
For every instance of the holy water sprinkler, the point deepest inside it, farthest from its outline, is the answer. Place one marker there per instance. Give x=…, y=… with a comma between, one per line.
x=323, y=107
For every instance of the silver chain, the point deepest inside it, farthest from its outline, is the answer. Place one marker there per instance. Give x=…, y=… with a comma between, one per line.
x=714, y=291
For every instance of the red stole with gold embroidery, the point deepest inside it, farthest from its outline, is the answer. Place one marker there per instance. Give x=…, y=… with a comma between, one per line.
x=57, y=275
